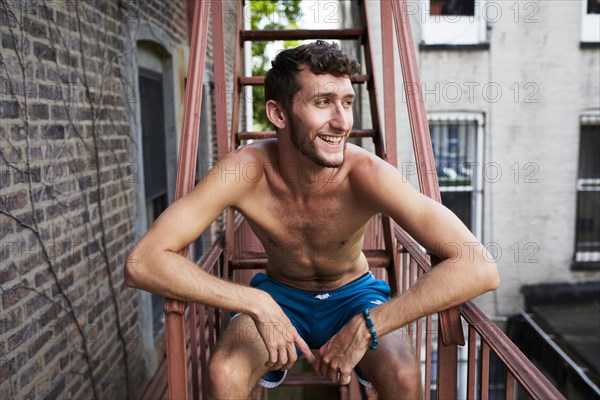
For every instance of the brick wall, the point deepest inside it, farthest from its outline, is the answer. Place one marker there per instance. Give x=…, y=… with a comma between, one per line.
x=68, y=324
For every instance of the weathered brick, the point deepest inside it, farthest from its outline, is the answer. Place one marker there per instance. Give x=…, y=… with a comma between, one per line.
x=55, y=132
x=84, y=113
x=8, y=273
x=15, y=201
x=11, y=320
x=9, y=109
x=35, y=28
x=38, y=111
x=35, y=304
x=13, y=296
x=29, y=373
x=61, y=71
x=58, y=387
x=20, y=336
x=44, y=51
x=36, y=344
x=58, y=112
x=15, y=43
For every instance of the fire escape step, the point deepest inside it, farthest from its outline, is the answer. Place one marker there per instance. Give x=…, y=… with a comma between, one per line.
x=301, y=34
x=260, y=80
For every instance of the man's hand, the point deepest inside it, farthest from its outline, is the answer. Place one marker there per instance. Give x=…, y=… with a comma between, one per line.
x=343, y=351
x=281, y=339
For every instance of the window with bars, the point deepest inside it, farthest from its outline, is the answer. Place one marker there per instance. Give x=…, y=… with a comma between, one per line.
x=456, y=147
x=587, y=225
x=590, y=21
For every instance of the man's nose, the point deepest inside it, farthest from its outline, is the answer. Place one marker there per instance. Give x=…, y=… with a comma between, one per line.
x=342, y=118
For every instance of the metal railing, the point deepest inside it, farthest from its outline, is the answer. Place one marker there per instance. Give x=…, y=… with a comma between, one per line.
x=192, y=333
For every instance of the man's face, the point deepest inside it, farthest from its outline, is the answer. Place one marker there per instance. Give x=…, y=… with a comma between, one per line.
x=321, y=117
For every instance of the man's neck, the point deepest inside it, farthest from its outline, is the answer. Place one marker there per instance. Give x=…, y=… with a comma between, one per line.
x=302, y=175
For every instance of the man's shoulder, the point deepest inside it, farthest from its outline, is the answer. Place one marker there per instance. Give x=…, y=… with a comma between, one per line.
x=257, y=152
x=359, y=160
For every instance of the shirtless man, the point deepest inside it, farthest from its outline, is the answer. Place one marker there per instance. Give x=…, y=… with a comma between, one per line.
x=312, y=191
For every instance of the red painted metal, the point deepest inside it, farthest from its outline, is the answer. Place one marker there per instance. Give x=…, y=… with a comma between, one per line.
x=528, y=376
x=203, y=356
x=447, y=371
x=260, y=80
x=471, y=364
x=389, y=95
x=484, y=371
x=373, y=98
x=524, y=372
x=194, y=350
x=428, y=350
x=451, y=330
x=509, y=386
x=519, y=368
x=174, y=310
x=220, y=79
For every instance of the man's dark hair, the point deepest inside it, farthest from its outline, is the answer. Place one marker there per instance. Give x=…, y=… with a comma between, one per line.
x=281, y=82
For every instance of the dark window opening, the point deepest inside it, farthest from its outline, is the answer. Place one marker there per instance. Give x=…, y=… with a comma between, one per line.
x=587, y=226
x=452, y=7
x=454, y=148
x=593, y=7
x=155, y=164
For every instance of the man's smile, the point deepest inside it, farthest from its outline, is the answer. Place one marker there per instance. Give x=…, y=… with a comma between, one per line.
x=331, y=140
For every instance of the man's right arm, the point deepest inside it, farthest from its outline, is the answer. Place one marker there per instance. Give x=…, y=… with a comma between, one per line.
x=154, y=264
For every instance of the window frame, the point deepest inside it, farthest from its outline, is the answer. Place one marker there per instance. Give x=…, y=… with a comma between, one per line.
x=590, y=25
x=477, y=189
x=584, y=260
x=463, y=29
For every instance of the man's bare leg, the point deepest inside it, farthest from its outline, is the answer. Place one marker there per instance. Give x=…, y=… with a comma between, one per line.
x=393, y=367
x=238, y=362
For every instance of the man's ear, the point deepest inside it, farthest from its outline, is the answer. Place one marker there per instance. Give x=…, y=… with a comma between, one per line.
x=276, y=114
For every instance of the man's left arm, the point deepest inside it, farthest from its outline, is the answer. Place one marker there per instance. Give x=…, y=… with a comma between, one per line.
x=466, y=269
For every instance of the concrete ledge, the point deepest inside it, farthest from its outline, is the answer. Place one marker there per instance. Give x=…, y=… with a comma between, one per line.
x=454, y=47
x=589, y=45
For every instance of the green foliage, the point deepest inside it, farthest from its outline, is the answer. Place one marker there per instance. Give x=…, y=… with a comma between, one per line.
x=269, y=14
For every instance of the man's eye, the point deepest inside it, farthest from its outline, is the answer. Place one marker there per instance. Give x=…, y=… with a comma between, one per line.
x=348, y=103
x=322, y=102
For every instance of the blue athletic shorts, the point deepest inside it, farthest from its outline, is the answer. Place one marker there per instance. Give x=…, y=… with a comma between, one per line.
x=317, y=316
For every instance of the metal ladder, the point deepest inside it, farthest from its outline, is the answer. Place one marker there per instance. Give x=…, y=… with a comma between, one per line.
x=380, y=242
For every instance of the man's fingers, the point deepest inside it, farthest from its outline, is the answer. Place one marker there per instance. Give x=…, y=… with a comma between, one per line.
x=345, y=379
x=304, y=349
x=292, y=356
x=333, y=375
x=283, y=358
x=272, y=358
x=324, y=367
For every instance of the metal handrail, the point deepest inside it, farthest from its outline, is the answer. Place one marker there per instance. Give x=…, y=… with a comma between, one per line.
x=524, y=371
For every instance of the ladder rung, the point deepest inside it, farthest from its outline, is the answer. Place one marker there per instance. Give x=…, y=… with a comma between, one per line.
x=376, y=259
x=301, y=34
x=355, y=133
x=260, y=80
x=305, y=379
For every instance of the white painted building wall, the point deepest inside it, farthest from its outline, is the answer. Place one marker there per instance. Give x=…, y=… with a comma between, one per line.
x=531, y=86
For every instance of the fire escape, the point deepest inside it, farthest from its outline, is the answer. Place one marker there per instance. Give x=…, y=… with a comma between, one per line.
x=192, y=330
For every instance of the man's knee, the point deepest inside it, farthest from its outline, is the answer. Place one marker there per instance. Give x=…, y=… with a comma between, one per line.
x=407, y=376
x=225, y=375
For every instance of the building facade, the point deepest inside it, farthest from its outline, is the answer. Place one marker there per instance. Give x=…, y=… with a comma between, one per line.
x=90, y=116
x=512, y=92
